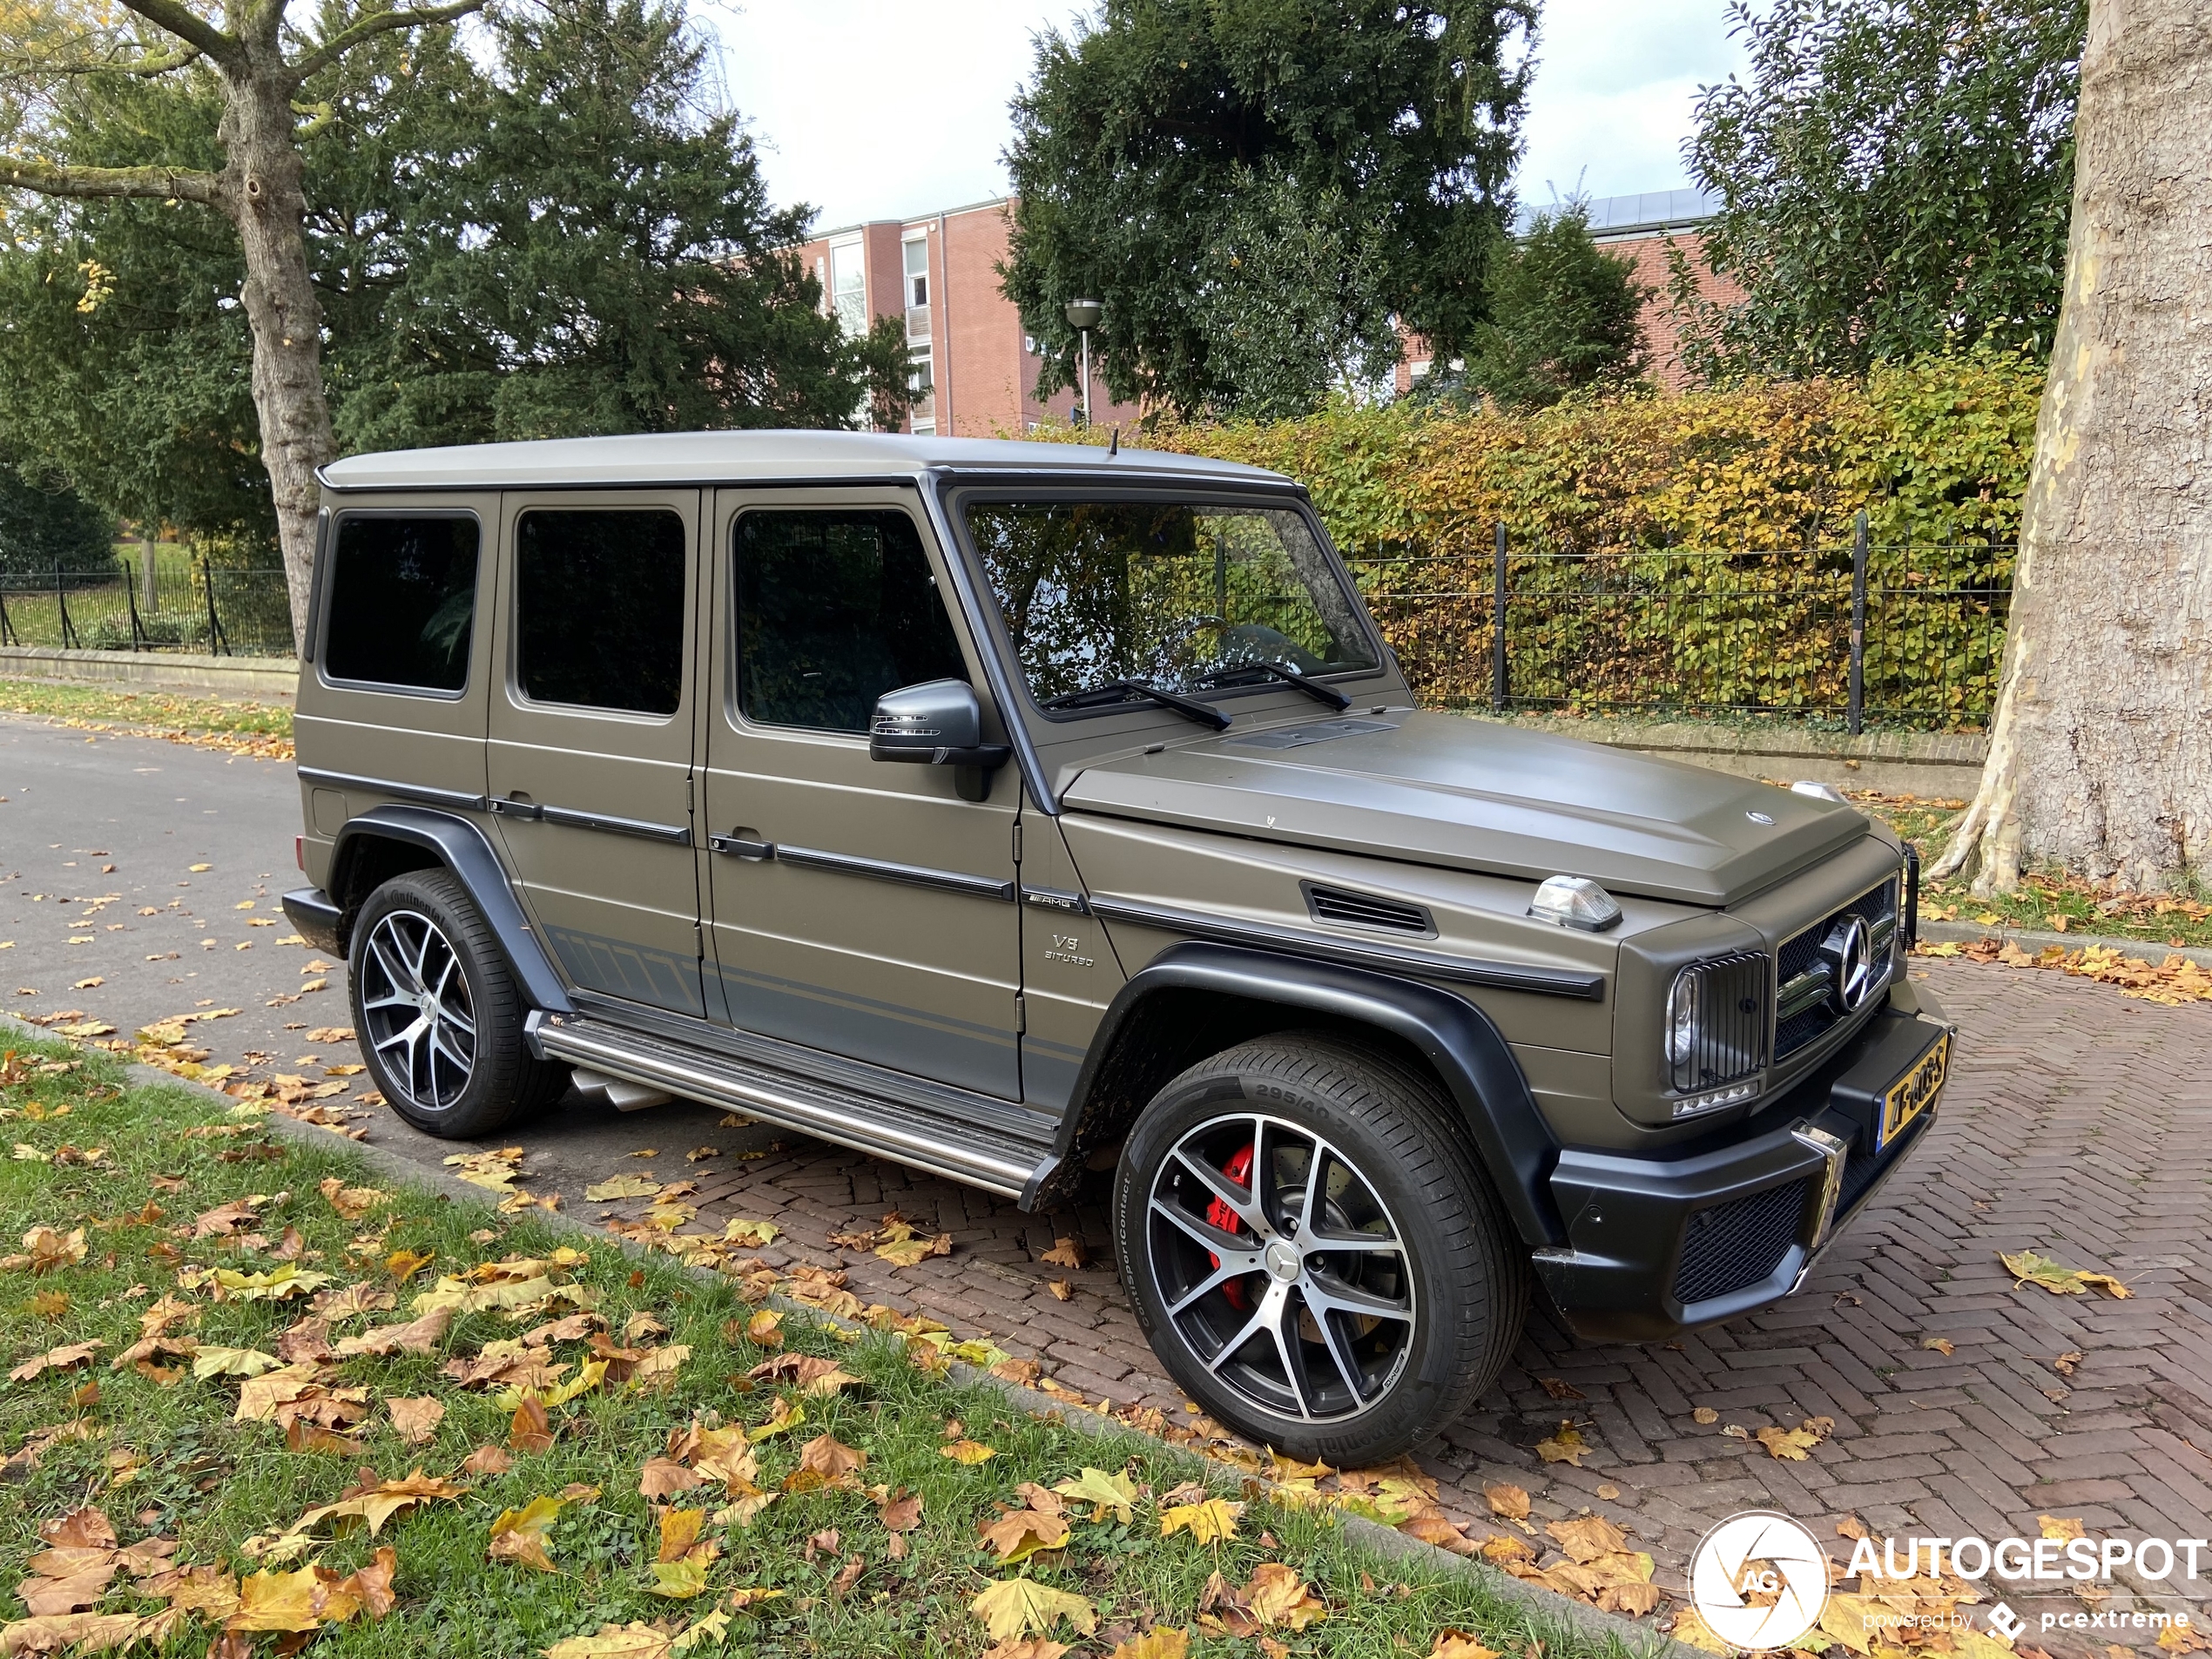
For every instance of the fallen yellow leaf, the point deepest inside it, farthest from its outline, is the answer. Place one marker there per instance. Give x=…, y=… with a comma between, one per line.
x=1208, y=1522
x=1016, y=1607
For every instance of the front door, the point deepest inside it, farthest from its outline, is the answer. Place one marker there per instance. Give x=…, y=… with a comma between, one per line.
x=589, y=762
x=859, y=906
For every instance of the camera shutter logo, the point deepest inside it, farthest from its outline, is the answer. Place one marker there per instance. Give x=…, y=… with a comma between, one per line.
x=1760, y=1580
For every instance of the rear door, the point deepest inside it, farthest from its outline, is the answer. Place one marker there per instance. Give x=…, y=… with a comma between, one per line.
x=589, y=759
x=882, y=925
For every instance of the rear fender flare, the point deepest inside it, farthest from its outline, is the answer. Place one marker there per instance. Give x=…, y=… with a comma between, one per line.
x=1457, y=1039
x=460, y=846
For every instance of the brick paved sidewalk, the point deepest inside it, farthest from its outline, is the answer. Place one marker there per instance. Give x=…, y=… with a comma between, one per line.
x=2077, y=1122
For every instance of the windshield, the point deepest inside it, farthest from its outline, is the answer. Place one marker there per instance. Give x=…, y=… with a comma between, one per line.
x=1176, y=595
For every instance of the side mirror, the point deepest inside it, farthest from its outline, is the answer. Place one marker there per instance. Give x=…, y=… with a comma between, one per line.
x=938, y=722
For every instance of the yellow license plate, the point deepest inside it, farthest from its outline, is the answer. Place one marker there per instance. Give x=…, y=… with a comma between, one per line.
x=1917, y=1090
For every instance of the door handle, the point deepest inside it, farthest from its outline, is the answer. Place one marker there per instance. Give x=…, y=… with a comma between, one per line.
x=515, y=807
x=741, y=846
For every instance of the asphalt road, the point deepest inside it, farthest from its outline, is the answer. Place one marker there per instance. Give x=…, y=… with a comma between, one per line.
x=97, y=832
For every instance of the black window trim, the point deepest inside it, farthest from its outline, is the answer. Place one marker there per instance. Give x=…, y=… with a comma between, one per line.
x=733, y=708
x=964, y=493
x=323, y=595
x=511, y=598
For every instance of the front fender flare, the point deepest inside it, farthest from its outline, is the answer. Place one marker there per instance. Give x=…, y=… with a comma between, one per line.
x=1456, y=1038
x=459, y=845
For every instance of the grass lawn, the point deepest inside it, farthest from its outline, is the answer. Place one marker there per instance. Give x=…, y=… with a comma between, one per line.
x=566, y=1448
x=259, y=729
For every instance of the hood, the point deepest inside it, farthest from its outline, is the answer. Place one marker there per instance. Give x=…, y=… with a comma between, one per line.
x=1475, y=795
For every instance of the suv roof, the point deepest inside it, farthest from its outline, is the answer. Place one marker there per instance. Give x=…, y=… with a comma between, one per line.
x=738, y=457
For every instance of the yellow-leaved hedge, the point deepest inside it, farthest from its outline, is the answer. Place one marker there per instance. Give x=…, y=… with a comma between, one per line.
x=1690, y=549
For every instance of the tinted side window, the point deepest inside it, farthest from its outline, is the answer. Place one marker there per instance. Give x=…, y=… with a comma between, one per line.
x=834, y=609
x=599, y=608
x=402, y=601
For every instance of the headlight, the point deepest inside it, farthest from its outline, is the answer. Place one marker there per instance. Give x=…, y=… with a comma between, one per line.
x=1716, y=1038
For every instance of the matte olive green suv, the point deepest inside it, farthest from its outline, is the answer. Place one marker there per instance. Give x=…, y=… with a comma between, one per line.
x=1014, y=810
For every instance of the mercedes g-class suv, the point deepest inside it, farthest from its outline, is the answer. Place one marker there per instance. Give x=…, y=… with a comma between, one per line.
x=1016, y=810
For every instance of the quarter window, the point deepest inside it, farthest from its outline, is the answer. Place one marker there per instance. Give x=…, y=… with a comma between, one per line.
x=834, y=609
x=599, y=608
x=402, y=601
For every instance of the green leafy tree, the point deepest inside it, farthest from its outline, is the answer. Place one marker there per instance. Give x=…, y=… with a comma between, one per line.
x=1565, y=315
x=1259, y=192
x=1894, y=178
x=44, y=526
x=573, y=241
x=565, y=238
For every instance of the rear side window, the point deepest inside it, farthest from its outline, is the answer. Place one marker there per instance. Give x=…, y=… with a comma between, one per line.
x=599, y=608
x=834, y=609
x=402, y=601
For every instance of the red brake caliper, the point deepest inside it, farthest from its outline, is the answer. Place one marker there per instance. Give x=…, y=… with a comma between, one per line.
x=1218, y=1214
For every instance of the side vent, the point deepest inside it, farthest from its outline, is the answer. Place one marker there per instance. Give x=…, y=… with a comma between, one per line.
x=1348, y=909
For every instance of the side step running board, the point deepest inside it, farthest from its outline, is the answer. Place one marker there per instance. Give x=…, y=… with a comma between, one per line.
x=896, y=1129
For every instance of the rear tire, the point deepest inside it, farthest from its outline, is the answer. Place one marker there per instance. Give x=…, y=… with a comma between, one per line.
x=1348, y=1355
x=437, y=1013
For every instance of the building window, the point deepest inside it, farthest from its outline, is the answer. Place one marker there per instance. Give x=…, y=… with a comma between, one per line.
x=916, y=254
x=849, y=287
x=920, y=381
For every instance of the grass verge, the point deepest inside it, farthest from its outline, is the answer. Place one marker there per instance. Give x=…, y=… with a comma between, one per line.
x=258, y=728
x=2060, y=904
x=271, y=1334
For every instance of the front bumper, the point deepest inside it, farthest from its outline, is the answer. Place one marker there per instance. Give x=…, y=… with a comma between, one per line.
x=1657, y=1246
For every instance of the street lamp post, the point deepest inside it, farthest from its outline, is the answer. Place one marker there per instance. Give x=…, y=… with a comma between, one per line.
x=1083, y=317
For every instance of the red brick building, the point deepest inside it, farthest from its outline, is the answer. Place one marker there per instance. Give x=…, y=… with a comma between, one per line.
x=938, y=274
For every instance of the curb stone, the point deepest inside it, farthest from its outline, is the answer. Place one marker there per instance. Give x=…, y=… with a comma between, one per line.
x=1641, y=1642
x=1965, y=933
x=1639, y=1639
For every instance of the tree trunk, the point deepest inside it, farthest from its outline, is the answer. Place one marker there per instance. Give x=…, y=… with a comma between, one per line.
x=2100, y=749
x=262, y=194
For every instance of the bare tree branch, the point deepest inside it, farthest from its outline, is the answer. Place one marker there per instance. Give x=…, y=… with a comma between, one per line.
x=376, y=23
x=188, y=26
x=85, y=184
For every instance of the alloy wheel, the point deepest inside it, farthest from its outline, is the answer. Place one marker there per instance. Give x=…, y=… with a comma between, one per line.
x=415, y=1003
x=1280, y=1268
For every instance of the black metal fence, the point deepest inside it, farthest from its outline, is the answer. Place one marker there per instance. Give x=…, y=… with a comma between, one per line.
x=191, y=605
x=1905, y=635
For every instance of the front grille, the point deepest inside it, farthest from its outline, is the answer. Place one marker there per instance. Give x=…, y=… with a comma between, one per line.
x=1735, y=1245
x=1367, y=910
x=1805, y=1003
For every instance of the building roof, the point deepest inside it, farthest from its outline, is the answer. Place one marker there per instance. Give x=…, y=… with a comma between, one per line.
x=1640, y=215
x=740, y=457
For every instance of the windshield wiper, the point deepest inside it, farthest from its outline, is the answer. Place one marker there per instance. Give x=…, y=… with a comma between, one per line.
x=1334, y=698
x=1124, y=690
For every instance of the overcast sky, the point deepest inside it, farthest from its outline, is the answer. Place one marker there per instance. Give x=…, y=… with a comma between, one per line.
x=884, y=109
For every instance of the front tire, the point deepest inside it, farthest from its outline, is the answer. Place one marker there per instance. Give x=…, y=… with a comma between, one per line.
x=1313, y=1251
x=437, y=1013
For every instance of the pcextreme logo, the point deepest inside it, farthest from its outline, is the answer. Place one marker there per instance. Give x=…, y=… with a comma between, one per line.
x=1760, y=1580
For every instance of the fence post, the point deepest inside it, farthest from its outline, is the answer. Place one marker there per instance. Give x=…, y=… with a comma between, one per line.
x=1498, y=683
x=216, y=645
x=131, y=593
x=1859, y=624
x=69, y=640
x=7, y=635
